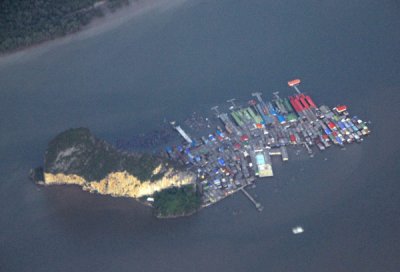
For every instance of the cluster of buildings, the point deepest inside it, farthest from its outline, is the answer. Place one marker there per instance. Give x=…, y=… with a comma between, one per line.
x=241, y=147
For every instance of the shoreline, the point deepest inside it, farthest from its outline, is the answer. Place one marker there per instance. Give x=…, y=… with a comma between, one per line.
x=158, y=216
x=97, y=26
x=140, y=200
x=37, y=177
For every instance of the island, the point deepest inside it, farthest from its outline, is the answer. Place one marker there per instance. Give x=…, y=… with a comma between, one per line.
x=77, y=157
x=202, y=170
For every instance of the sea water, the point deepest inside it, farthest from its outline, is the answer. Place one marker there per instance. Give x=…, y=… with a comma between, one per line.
x=167, y=64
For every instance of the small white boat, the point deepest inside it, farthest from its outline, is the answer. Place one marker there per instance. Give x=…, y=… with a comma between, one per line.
x=297, y=230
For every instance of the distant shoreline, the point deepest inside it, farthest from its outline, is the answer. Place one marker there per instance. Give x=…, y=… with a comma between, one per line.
x=97, y=26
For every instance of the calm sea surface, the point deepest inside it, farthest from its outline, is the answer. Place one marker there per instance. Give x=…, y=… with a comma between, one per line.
x=167, y=65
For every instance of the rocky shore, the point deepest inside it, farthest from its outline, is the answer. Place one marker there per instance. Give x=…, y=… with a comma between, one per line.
x=77, y=157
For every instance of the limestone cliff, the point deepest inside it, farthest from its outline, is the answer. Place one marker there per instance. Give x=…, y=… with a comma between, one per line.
x=123, y=183
x=77, y=157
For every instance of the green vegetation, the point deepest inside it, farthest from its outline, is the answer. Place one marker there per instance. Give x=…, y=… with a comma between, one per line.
x=36, y=174
x=24, y=23
x=115, y=4
x=177, y=201
x=77, y=151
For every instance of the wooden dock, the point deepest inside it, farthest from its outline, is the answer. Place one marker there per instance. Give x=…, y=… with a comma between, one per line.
x=259, y=207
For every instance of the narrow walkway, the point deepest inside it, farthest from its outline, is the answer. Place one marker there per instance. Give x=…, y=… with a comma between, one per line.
x=308, y=149
x=258, y=205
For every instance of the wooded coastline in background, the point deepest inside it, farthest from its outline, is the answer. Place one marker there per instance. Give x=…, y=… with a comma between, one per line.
x=27, y=23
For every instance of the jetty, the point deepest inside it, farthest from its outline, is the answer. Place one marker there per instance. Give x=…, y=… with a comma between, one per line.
x=259, y=207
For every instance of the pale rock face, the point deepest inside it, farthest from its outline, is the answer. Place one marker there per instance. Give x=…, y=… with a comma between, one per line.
x=124, y=184
x=63, y=179
x=157, y=170
x=65, y=158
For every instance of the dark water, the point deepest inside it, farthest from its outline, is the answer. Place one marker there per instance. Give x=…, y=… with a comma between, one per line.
x=168, y=64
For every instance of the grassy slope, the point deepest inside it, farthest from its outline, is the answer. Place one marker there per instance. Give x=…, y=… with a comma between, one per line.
x=95, y=158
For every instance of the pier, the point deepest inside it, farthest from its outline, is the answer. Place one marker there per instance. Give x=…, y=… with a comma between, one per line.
x=259, y=207
x=308, y=149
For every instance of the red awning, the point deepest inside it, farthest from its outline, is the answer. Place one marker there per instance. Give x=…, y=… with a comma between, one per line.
x=331, y=125
x=244, y=138
x=294, y=82
x=303, y=102
x=252, y=102
x=311, y=102
x=341, y=108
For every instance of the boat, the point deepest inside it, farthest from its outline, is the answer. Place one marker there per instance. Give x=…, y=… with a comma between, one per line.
x=297, y=230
